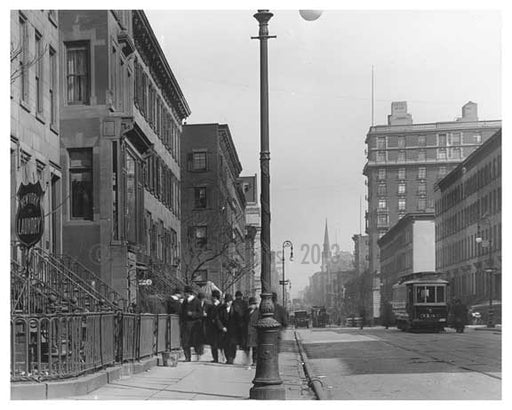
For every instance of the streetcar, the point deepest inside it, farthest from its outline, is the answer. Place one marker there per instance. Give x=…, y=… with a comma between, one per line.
x=420, y=302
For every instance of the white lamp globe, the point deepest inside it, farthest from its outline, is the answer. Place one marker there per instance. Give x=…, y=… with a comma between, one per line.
x=310, y=15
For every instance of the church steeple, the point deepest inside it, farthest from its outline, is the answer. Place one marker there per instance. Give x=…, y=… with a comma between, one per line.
x=327, y=246
x=326, y=253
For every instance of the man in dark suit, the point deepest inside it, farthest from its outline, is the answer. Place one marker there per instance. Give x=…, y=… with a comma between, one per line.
x=230, y=328
x=240, y=306
x=214, y=326
x=191, y=316
x=251, y=332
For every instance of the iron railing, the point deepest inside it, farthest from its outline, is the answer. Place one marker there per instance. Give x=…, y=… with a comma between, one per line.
x=58, y=346
x=92, y=280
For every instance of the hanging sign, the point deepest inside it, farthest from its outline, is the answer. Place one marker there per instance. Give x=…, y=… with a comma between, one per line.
x=30, y=215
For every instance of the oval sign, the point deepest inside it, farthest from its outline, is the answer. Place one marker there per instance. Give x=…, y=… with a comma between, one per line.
x=30, y=215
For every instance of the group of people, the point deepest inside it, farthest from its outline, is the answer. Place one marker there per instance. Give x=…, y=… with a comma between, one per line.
x=226, y=325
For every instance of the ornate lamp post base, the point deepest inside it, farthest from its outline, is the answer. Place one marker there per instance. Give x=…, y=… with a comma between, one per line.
x=267, y=385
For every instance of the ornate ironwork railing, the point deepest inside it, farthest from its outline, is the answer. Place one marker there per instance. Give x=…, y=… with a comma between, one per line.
x=58, y=346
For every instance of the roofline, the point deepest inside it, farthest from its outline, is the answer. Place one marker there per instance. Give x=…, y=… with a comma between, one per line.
x=408, y=217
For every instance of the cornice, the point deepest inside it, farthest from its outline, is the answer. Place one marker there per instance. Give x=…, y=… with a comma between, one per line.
x=153, y=56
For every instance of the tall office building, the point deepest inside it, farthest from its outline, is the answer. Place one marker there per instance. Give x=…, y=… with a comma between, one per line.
x=404, y=161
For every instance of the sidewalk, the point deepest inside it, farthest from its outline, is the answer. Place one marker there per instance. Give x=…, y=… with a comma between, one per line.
x=203, y=380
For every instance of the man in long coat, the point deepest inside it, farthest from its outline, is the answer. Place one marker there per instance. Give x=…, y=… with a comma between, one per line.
x=251, y=332
x=230, y=328
x=240, y=306
x=214, y=326
x=191, y=316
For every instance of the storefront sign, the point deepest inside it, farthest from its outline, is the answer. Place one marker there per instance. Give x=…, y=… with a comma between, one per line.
x=30, y=214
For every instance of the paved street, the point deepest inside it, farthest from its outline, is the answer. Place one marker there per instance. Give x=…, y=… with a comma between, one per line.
x=375, y=363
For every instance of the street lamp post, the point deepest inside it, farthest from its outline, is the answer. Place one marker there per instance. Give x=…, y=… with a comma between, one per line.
x=284, y=282
x=267, y=385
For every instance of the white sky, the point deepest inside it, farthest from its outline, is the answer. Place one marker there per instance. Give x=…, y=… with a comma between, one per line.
x=320, y=97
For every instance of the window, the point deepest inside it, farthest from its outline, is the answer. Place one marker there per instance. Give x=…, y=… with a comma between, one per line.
x=39, y=73
x=131, y=198
x=200, y=235
x=422, y=141
x=401, y=188
x=382, y=174
x=441, y=138
x=422, y=204
x=53, y=84
x=382, y=204
x=382, y=189
x=421, y=155
x=401, y=156
x=200, y=197
x=422, y=188
x=23, y=49
x=80, y=175
x=401, y=173
x=401, y=204
x=455, y=138
x=382, y=220
x=401, y=142
x=381, y=142
x=199, y=161
x=381, y=156
x=456, y=153
x=422, y=173
x=441, y=153
x=442, y=172
x=77, y=73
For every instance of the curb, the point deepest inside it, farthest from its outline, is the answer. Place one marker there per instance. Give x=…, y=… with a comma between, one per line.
x=79, y=386
x=314, y=381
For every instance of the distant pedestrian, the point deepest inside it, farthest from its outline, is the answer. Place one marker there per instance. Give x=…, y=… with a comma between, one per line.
x=240, y=306
x=214, y=334
x=362, y=317
x=460, y=315
x=231, y=337
x=251, y=332
x=191, y=317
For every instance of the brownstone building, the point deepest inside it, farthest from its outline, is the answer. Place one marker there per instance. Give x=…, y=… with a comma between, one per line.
x=213, y=204
x=35, y=130
x=404, y=161
x=120, y=122
x=468, y=227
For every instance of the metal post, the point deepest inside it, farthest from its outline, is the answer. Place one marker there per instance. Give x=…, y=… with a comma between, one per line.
x=267, y=385
x=490, y=315
x=283, y=282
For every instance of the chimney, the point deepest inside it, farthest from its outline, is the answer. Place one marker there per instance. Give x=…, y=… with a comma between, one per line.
x=399, y=115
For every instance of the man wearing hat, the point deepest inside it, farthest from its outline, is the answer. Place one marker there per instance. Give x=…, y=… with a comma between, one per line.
x=174, y=302
x=251, y=332
x=214, y=326
x=191, y=316
x=231, y=337
x=240, y=306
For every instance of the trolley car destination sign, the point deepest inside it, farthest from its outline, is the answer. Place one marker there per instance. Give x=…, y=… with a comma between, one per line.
x=30, y=215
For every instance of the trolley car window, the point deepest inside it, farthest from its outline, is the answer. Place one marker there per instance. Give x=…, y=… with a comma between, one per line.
x=430, y=294
x=440, y=294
